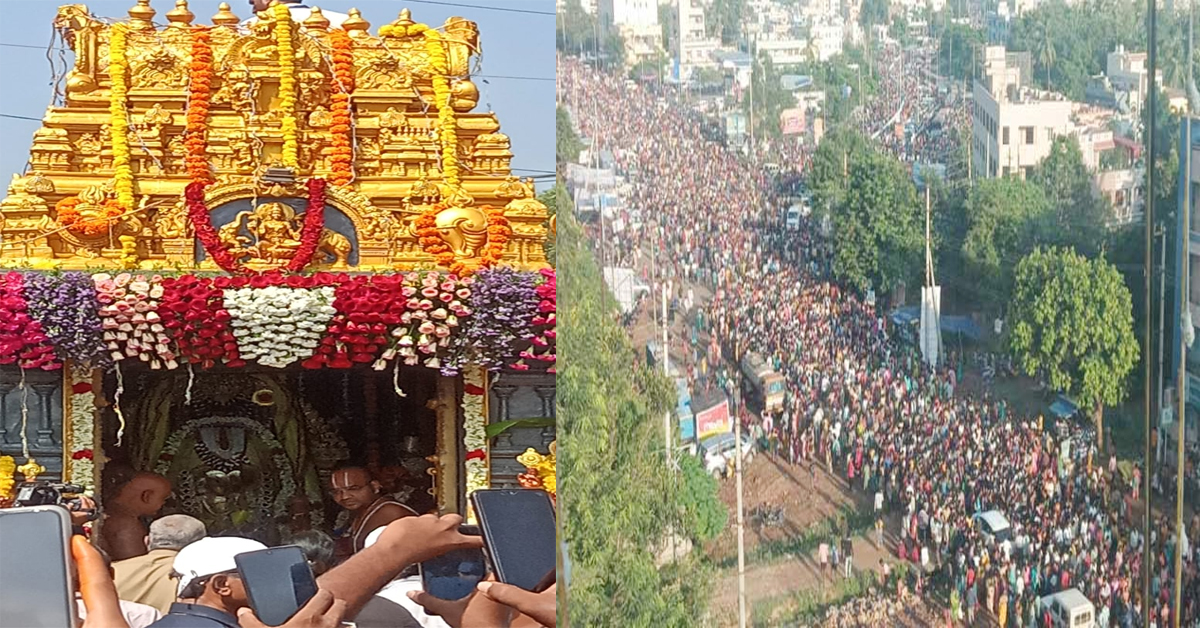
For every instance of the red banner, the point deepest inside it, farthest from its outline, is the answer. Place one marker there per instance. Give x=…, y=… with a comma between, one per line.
x=713, y=420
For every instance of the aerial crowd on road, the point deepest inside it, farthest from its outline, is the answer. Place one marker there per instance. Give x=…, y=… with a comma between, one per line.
x=862, y=405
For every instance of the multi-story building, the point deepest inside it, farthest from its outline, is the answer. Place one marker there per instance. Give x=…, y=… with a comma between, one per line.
x=827, y=37
x=637, y=23
x=1189, y=240
x=1126, y=72
x=785, y=51
x=695, y=48
x=1013, y=126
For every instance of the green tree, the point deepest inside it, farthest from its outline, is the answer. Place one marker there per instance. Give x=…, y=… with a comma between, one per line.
x=551, y=198
x=615, y=499
x=874, y=12
x=879, y=225
x=567, y=142
x=958, y=50
x=1072, y=322
x=579, y=32
x=1003, y=218
x=703, y=515
x=830, y=167
x=1079, y=214
x=724, y=20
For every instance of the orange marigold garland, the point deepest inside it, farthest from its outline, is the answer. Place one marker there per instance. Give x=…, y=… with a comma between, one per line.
x=68, y=216
x=341, y=149
x=431, y=237
x=498, y=234
x=200, y=93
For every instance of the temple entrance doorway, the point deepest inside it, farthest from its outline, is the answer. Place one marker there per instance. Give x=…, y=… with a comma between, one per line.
x=250, y=452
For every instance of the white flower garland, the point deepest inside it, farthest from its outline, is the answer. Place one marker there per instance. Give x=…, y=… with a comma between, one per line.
x=474, y=428
x=82, y=472
x=277, y=325
x=129, y=314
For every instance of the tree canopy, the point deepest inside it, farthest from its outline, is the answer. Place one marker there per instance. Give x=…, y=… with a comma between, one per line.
x=617, y=500
x=1072, y=322
x=830, y=166
x=878, y=224
x=1003, y=217
x=957, y=50
x=1079, y=214
x=567, y=142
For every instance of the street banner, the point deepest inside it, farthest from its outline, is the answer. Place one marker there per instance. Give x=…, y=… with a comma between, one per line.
x=713, y=420
x=791, y=121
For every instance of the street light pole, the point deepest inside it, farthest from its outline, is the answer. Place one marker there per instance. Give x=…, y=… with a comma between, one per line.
x=737, y=458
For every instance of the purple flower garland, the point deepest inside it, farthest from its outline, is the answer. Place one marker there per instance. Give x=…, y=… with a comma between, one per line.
x=66, y=306
x=505, y=302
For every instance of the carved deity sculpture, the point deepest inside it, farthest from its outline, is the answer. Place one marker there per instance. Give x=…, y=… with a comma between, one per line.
x=274, y=236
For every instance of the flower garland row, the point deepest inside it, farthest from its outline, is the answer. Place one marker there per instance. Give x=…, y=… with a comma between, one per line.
x=447, y=124
x=68, y=216
x=81, y=466
x=287, y=84
x=341, y=150
x=493, y=319
x=199, y=98
x=118, y=72
x=474, y=430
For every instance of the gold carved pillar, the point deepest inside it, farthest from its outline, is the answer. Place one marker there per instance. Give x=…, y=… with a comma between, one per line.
x=445, y=464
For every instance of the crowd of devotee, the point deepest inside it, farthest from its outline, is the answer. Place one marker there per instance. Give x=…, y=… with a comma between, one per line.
x=860, y=403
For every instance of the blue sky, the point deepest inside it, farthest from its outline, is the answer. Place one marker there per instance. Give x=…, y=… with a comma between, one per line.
x=514, y=45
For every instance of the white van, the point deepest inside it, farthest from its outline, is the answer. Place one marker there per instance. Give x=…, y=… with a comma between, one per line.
x=1070, y=609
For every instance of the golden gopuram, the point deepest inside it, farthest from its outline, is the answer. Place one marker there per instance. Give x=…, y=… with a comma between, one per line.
x=407, y=149
x=247, y=253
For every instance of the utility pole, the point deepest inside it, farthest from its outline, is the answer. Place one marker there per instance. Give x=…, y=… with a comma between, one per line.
x=737, y=457
x=666, y=360
x=1151, y=66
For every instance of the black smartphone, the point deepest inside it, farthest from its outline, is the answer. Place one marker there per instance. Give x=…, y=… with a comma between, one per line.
x=519, y=535
x=278, y=582
x=453, y=575
x=36, y=571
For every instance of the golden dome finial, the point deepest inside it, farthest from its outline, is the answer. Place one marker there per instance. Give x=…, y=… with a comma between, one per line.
x=225, y=17
x=405, y=18
x=355, y=22
x=180, y=16
x=316, y=20
x=141, y=16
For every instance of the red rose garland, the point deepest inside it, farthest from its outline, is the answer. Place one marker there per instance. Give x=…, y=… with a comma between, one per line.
x=193, y=309
x=314, y=224
x=22, y=339
x=310, y=233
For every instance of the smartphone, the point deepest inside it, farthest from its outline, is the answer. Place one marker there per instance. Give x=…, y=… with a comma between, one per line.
x=519, y=535
x=36, y=571
x=453, y=576
x=278, y=582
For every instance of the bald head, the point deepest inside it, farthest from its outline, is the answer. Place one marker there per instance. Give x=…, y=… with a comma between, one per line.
x=145, y=493
x=175, y=532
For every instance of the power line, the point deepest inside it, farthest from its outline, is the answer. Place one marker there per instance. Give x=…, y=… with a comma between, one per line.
x=7, y=115
x=483, y=8
x=31, y=47
x=516, y=78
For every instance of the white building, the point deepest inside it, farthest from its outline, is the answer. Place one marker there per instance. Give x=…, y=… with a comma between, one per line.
x=784, y=52
x=637, y=14
x=1124, y=189
x=828, y=37
x=695, y=47
x=1127, y=72
x=1013, y=126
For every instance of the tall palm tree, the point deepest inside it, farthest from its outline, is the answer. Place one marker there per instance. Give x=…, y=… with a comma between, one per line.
x=1043, y=48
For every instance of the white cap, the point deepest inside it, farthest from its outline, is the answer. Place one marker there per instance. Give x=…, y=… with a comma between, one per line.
x=210, y=556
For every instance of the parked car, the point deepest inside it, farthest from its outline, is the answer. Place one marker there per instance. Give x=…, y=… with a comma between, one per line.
x=994, y=527
x=718, y=451
x=1070, y=609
